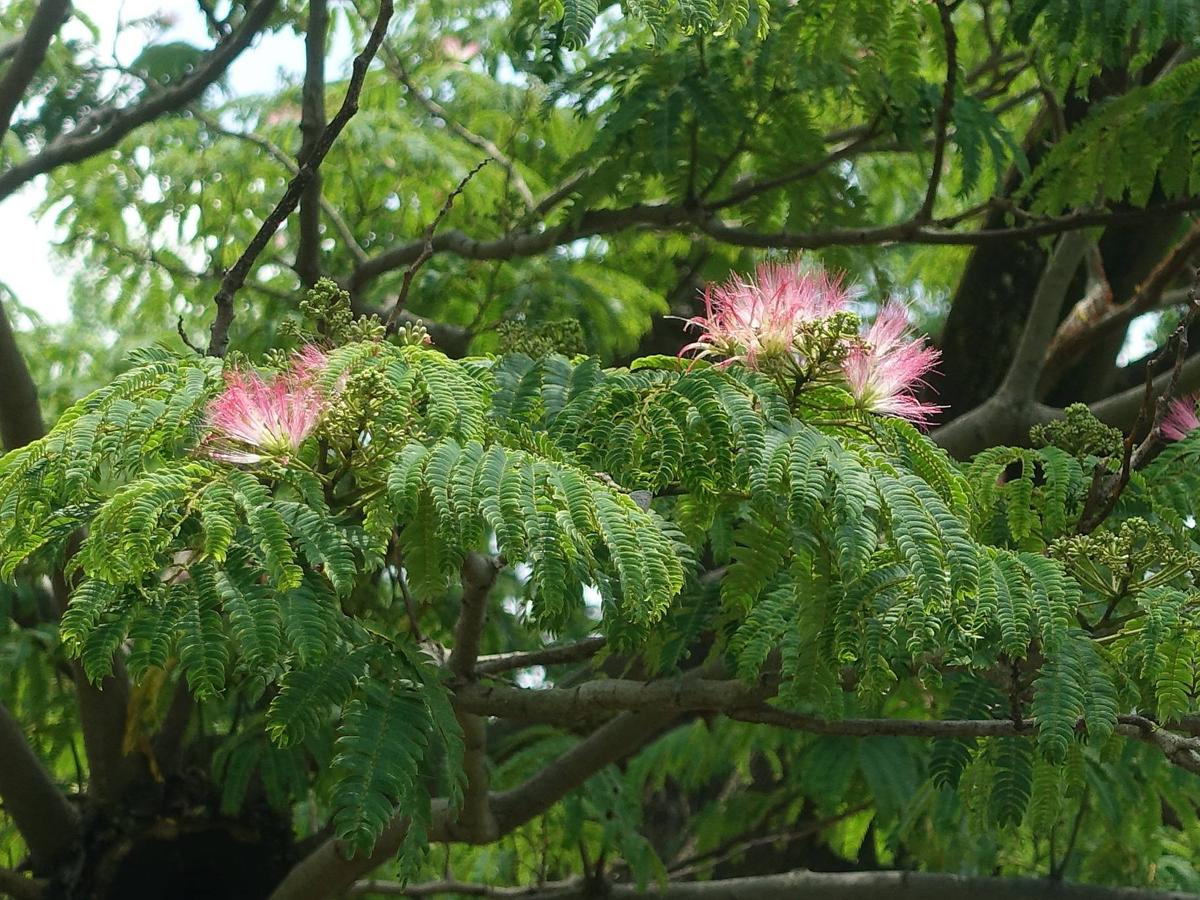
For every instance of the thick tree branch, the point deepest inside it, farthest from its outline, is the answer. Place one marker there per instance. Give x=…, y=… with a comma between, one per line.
x=459, y=888
x=478, y=575
x=20, y=412
x=1022, y=378
x=584, y=702
x=101, y=710
x=893, y=885
x=21, y=888
x=28, y=55
x=312, y=123
x=1078, y=332
x=326, y=871
x=616, y=739
x=41, y=812
x=105, y=128
x=236, y=276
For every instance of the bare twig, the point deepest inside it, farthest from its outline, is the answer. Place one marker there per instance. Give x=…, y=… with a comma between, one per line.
x=236, y=276
x=427, y=248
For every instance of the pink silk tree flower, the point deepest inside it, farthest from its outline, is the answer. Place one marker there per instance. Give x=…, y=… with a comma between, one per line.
x=885, y=371
x=254, y=419
x=748, y=319
x=1181, y=419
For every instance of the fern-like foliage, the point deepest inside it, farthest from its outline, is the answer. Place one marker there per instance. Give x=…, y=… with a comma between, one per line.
x=844, y=553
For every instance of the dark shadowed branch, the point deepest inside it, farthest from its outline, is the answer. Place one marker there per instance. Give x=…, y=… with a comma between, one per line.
x=20, y=887
x=894, y=885
x=20, y=413
x=478, y=575
x=277, y=153
x=41, y=812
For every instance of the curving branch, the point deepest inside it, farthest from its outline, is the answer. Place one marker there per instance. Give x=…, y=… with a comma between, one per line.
x=41, y=812
x=326, y=872
x=104, y=128
x=27, y=56
x=489, y=147
x=236, y=276
x=1082, y=329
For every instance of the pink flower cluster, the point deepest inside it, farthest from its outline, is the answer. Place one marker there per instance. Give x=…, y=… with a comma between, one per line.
x=760, y=321
x=1181, y=419
x=887, y=370
x=747, y=319
x=254, y=419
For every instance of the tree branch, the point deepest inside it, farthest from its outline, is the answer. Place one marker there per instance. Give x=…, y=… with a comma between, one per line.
x=21, y=888
x=20, y=412
x=1021, y=380
x=326, y=871
x=942, y=126
x=547, y=656
x=105, y=128
x=894, y=885
x=236, y=276
x=279, y=155
x=28, y=55
x=1078, y=332
x=616, y=739
x=478, y=575
x=461, y=888
x=312, y=123
x=41, y=812
x=427, y=247
x=674, y=217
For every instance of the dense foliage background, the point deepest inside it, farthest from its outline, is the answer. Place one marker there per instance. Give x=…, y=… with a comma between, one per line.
x=532, y=607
